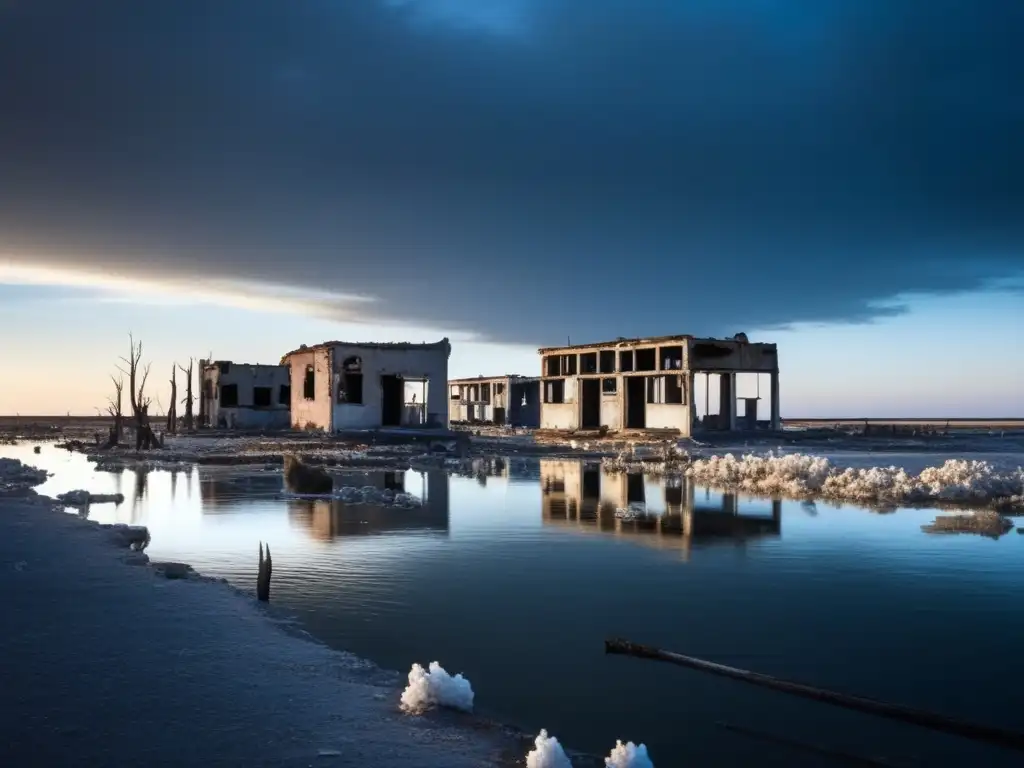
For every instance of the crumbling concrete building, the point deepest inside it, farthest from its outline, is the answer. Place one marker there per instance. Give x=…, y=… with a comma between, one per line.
x=243, y=395
x=510, y=400
x=342, y=385
x=648, y=383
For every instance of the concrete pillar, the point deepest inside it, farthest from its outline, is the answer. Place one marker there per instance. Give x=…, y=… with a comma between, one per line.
x=727, y=401
x=776, y=416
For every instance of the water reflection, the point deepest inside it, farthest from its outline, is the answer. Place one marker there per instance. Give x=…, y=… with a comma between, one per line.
x=666, y=513
x=327, y=519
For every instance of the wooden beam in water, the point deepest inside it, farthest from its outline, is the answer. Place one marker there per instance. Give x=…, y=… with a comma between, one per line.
x=975, y=731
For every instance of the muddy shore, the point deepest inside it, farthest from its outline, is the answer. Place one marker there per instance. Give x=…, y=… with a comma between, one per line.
x=115, y=658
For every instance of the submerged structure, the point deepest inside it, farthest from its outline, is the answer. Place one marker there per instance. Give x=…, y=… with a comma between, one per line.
x=341, y=385
x=243, y=395
x=649, y=383
x=510, y=400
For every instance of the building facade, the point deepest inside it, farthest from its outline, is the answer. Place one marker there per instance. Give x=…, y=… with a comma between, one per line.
x=243, y=395
x=340, y=385
x=512, y=401
x=636, y=384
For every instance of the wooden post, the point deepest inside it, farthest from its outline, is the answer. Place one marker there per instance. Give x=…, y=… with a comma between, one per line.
x=266, y=567
x=989, y=734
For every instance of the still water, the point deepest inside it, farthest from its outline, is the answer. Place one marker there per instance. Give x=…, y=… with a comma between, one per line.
x=515, y=578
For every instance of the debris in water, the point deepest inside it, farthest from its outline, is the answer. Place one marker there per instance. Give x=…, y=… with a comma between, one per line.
x=984, y=522
x=434, y=687
x=82, y=498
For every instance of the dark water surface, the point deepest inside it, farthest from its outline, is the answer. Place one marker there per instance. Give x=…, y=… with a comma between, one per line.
x=517, y=576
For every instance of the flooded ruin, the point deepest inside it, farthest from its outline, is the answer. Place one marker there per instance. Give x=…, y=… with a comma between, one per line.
x=516, y=572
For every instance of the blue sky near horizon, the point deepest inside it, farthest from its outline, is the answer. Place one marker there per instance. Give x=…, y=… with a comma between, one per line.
x=925, y=362
x=253, y=175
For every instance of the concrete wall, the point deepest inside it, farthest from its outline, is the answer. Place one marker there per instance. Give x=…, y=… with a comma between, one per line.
x=611, y=411
x=414, y=363
x=316, y=413
x=558, y=416
x=246, y=378
x=742, y=356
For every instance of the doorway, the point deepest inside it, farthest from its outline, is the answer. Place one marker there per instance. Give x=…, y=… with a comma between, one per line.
x=590, y=403
x=392, y=398
x=499, y=416
x=636, y=402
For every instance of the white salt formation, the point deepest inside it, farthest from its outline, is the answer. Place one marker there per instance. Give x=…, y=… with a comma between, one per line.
x=803, y=476
x=547, y=753
x=628, y=755
x=434, y=687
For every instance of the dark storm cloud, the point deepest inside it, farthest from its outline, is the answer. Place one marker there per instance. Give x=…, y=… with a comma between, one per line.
x=527, y=169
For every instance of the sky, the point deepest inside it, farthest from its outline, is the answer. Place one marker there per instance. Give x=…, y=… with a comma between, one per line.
x=843, y=178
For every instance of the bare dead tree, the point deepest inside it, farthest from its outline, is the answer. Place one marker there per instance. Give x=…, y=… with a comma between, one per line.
x=137, y=376
x=172, y=409
x=114, y=409
x=188, y=400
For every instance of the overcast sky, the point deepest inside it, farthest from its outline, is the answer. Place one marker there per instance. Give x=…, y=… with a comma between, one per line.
x=518, y=171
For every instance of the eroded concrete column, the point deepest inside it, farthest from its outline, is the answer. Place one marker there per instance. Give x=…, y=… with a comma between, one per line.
x=727, y=401
x=776, y=416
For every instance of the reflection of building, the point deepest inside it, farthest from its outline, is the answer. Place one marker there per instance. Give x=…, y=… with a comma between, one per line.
x=661, y=512
x=222, y=492
x=327, y=519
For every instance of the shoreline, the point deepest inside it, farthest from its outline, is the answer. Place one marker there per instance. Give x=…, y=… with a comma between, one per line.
x=117, y=659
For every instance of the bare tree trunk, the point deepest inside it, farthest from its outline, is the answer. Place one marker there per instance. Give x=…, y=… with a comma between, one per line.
x=172, y=409
x=144, y=437
x=114, y=409
x=189, y=400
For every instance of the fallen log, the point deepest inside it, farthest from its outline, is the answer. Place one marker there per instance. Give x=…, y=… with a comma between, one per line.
x=975, y=731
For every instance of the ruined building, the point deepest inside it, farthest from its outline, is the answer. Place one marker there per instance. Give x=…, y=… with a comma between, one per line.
x=512, y=401
x=339, y=385
x=243, y=395
x=649, y=384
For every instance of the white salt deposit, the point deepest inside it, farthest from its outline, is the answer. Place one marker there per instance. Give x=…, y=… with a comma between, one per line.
x=17, y=476
x=547, y=753
x=628, y=755
x=434, y=687
x=804, y=476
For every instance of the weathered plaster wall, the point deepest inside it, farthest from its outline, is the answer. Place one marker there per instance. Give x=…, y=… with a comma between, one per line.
x=558, y=416
x=611, y=409
x=741, y=357
x=315, y=413
x=428, y=363
x=246, y=415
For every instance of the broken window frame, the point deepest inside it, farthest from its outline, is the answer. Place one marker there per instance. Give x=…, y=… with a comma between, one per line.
x=645, y=359
x=588, y=363
x=266, y=394
x=626, y=360
x=552, y=365
x=609, y=385
x=554, y=392
x=455, y=392
x=667, y=389
x=606, y=361
x=570, y=364
x=284, y=395
x=670, y=358
x=309, y=383
x=231, y=400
